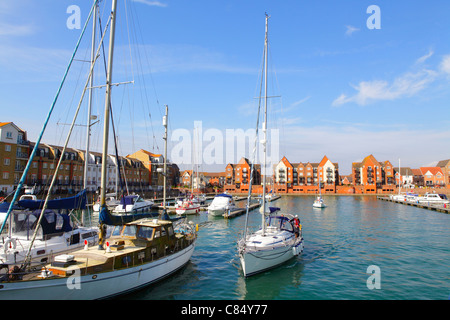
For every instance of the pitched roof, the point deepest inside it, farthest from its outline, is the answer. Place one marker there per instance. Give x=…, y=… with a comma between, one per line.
x=433, y=170
x=443, y=163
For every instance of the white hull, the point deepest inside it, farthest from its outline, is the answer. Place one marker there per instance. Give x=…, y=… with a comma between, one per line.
x=190, y=210
x=216, y=212
x=255, y=260
x=133, y=208
x=319, y=205
x=259, y=253
x=44, y=250
x=98, y=286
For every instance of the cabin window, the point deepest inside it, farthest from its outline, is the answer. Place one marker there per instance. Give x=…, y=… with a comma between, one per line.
x=129, y=231
x=145, y=232
x=170, y=229
x=116, y=231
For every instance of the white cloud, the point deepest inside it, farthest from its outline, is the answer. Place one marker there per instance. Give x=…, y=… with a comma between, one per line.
x=405, y=85
x=299, y=102
x=350, y=30
x=445, y=64
x=425, y=57
x=152, y=3
x=7, y=29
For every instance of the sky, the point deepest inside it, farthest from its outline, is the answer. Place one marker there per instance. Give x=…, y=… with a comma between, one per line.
x=346, y=78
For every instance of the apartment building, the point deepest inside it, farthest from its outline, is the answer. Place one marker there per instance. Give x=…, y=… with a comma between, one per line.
x=328, y=172
x=433, y=176
x=445, y=167
x=14, y=148
x=154, y=164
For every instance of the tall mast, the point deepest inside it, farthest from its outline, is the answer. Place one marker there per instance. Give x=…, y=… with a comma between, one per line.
x=106, y=123
x=107, y=104
x=165, y=119
x=91, y=84
x=264, y=128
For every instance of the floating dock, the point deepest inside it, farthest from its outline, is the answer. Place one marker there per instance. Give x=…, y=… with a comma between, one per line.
x=445, y=208
x=238, y=211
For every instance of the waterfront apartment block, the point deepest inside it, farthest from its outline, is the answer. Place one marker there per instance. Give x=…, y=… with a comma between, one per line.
x=143, y=171
x=138, y=172
x=14, y=149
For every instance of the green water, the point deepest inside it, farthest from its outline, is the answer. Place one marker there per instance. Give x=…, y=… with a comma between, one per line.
x=409, y=245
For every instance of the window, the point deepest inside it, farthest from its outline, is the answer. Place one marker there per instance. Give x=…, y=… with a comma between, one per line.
x=9, y=135
x=44, y=165
x=6, y=161
x=129, y=231
x=5, y=175
x=145, y=232
x=7, y=147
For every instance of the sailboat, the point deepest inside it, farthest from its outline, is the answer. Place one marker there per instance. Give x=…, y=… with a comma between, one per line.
x=318, y=202
x=280, y=237
x=136, y=254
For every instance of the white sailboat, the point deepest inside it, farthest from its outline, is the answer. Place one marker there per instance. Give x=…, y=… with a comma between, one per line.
x=280, y=237
x=137, y=254
x=318, y=202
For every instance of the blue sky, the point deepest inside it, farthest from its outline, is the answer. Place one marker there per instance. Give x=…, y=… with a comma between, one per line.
x=347, y=91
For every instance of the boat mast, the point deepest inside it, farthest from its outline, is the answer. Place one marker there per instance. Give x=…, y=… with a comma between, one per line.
x=165, y=118
x=264, y=128
x=106, y=119
x=91, y=84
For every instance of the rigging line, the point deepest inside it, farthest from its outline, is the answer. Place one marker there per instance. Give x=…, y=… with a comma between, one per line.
x=137, y=29
x=119, y=164
x=33, y=153
x=44, y=207
x=254, y=153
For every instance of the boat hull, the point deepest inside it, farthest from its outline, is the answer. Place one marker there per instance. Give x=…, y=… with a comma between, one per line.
x=192, y=210
x=216, y=212
x=256, y=261
x=319, y=205
x=97, y=286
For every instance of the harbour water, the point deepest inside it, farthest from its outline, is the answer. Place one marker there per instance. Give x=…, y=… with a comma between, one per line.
x=409, y=245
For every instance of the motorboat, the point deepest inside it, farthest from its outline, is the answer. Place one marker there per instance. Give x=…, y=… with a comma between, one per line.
x=111, y=202
x=221, y=204
x=133, y=204
x=433, y=198
x=187, y=206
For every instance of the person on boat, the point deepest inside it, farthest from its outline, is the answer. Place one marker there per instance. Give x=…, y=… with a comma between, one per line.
x=296, y=226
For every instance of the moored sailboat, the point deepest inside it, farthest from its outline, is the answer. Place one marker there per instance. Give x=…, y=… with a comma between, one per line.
x=280, y=237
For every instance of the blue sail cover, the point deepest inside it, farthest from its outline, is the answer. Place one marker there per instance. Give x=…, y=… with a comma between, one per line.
x=107, y=218
x=76, y=202
x=224, y=195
